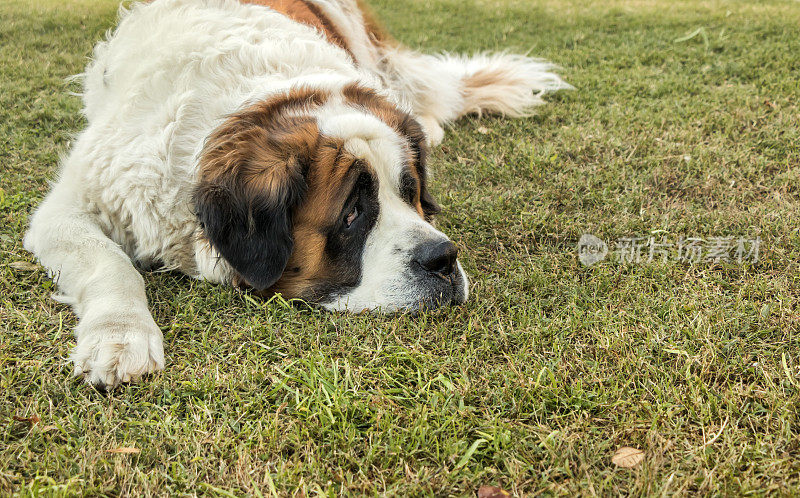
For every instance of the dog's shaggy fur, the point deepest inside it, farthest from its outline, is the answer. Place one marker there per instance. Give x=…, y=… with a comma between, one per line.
x=275, y=144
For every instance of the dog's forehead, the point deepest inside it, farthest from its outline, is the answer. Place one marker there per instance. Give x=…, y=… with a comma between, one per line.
x=371, y=140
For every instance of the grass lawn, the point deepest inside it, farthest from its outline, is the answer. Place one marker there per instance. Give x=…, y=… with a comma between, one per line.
x=551, y=366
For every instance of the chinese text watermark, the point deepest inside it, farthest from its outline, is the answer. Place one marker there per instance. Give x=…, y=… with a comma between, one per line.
x=694, y=250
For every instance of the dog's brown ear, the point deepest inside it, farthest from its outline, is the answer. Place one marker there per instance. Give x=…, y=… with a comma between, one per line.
x=252, y=176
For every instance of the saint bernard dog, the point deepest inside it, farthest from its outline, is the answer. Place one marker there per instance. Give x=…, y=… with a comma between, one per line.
x=276, y=145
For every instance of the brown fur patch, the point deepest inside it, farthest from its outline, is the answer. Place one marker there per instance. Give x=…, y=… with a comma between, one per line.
x=260, y=144
x=329, y=184
x=487, y=90
x=304, y=11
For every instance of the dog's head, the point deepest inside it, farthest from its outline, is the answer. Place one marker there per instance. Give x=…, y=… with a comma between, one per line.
x=322, y=196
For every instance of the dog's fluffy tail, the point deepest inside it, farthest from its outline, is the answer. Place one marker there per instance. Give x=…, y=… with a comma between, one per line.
x=445, y=87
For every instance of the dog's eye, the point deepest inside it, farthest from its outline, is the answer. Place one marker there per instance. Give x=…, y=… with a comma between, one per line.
x=351, y=217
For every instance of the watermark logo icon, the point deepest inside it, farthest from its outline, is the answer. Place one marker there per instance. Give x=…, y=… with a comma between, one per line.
x=591, y=249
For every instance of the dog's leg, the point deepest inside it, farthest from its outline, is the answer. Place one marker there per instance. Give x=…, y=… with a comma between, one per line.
x=117, y=338
x=441, y=88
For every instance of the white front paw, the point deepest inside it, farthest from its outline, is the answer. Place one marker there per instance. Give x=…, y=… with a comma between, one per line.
x=116, y=347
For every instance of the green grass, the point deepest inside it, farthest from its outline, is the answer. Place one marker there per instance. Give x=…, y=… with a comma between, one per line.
x=548, y=369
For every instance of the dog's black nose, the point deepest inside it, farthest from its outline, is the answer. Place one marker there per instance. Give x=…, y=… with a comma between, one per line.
x=437, y=257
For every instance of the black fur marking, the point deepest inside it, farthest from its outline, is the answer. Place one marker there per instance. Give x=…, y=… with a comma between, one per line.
x=253, y=233
x=345, y=246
